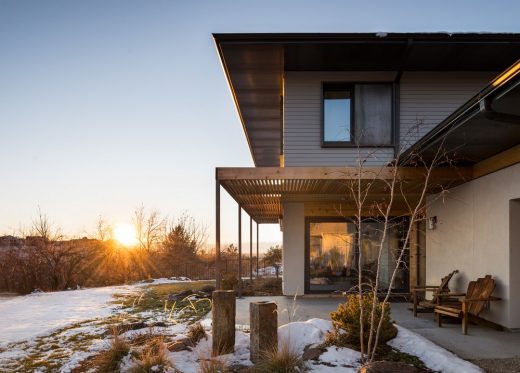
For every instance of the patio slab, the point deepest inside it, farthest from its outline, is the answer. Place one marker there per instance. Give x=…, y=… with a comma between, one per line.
x=480, y=343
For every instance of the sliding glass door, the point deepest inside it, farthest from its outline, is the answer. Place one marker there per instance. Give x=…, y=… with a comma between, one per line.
x=333, y=255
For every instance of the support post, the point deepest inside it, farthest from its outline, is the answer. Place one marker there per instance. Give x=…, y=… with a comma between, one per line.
x=217, y=236
x=257, y=255
x=263, y=318
x=251, y=249
x=239, y=251
x=223, y=326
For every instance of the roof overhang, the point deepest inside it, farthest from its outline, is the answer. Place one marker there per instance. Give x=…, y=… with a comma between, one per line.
x=255, y=63
x=488, y=124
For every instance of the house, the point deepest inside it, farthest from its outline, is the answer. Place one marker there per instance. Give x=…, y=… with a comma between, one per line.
x=313, y=106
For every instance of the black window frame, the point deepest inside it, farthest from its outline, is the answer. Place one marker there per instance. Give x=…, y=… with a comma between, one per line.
x=351, y=87
x=337, y=86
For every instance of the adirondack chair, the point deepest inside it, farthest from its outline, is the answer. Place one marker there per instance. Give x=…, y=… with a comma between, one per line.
x=437, y=291
x=474, y=301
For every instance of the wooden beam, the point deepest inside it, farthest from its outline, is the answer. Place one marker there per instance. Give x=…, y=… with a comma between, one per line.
x=339, y=173
x=313, y=209
x=239, y=251
x=217, y=236
x=497, y=162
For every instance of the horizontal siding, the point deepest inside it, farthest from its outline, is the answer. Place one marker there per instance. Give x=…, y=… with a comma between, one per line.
x=302, y=121
x=427, y=98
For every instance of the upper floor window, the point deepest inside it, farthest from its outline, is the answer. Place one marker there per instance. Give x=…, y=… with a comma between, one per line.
x=357, y=114
x=337, y=114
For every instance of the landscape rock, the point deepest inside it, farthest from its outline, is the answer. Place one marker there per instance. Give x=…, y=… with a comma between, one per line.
x=387, y=367
x=312, y=352
x=177, y=346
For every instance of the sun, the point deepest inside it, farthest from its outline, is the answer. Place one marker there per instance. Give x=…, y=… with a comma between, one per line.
x=125, y=234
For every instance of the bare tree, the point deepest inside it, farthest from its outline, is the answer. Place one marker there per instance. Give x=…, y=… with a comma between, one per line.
x=396, y=185
x=150, y=228
x=103, y=229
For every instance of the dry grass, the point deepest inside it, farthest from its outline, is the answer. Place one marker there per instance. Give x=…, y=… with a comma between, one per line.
x=282, y=360
x=212, y=366
x=108, y=361
x=152, y=355
x=196, y=332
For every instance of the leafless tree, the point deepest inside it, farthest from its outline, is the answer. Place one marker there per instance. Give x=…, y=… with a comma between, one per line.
x=394, y=181
x=150, y=228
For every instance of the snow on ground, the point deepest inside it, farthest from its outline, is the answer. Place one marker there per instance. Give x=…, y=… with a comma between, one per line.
x=37, y=314
x=434, y=357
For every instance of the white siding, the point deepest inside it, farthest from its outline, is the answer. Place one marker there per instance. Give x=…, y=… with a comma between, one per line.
x=293, y=249
x=476, y=233
x=302, y=121
x=429, y=97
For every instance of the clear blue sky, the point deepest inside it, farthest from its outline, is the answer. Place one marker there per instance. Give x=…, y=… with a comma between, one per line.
x=106, y=105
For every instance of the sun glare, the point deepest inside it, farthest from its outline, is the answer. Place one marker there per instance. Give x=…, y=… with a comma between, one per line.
x=125, y=235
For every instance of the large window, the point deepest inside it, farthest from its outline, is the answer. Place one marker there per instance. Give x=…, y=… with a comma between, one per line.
x=333, y=255
x=357, y=114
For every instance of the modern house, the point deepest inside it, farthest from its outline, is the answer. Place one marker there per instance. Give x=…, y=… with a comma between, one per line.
x=319, y=110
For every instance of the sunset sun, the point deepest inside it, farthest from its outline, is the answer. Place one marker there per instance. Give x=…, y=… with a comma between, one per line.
x=125, y=234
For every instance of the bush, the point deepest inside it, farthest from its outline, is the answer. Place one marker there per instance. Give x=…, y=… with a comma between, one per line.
x=346, y=322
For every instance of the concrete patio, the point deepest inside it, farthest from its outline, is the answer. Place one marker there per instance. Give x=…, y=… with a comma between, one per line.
x=480, y=343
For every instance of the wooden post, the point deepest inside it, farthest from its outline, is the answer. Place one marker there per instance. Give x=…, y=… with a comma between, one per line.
x=223, y=326
x=251, y=249
x=414, y=232
x=217, y=235
x=239, y=251
x=264, y=328
x=257, y=255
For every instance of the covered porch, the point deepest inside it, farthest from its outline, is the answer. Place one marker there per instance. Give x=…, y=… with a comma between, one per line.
x=296, y=196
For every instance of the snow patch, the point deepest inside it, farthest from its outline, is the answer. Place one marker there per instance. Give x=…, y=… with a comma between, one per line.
x=433, y=356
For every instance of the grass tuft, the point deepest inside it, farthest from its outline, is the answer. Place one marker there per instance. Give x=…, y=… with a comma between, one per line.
x=152, y=358
x=108, y=361
x=196, y=332
x=212, y=366
x=282, y=360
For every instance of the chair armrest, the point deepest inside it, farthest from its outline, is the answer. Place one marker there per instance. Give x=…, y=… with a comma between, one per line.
x=451, y=294
x=480, y=299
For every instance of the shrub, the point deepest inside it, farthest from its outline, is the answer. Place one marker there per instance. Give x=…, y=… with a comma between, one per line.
x=229, y=281
x=282, y=360
x=347, y=326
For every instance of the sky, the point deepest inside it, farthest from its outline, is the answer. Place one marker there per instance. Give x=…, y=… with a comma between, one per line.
x=109, y=105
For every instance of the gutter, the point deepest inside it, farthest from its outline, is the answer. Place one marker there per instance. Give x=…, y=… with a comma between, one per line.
x=480, y=103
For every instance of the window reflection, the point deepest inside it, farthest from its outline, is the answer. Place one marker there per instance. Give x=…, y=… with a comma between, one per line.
x=336, y=115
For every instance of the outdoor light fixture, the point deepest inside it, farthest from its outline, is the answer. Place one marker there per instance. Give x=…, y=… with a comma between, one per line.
x=432, y=223
x=280, y=221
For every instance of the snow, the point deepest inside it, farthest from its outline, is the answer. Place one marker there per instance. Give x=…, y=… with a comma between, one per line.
x=434, y=357
x=40, y=314
x=302, y=333
x=26, y=317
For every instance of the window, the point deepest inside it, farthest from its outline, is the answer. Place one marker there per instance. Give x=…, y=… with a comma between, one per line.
x=337, y=114
x=357, y=115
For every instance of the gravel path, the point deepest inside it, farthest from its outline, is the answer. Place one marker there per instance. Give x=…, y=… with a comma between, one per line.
x=511, y=365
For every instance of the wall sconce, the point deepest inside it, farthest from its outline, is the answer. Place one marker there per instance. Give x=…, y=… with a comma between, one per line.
x=432, y=223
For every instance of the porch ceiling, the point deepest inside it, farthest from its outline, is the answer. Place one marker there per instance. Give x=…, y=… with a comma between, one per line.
x=262, y=190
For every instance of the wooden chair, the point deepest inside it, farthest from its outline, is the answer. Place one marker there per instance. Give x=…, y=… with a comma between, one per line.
x=475, y=300
x=438, y=292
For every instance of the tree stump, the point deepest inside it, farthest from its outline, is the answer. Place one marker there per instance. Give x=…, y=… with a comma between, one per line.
x=264, y=329
x=224, y=310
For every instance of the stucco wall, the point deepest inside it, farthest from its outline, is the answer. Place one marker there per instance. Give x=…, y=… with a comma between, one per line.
x=473, y=235
x=293, y=249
